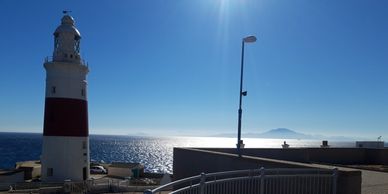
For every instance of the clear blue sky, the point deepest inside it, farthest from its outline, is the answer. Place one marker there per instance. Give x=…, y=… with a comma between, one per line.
x=172, y=67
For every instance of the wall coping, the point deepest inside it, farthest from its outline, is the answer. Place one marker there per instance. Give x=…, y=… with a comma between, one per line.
x=285, y=162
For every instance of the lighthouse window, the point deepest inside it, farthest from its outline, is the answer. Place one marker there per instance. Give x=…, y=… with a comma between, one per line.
x=53, y=90
x=50, y=172
x=83, y=92
x=56, y=41
x=77, y=43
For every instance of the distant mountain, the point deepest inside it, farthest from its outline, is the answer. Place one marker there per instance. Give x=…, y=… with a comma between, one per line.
x=279, y=133
x=284, y=133
x=139, y=134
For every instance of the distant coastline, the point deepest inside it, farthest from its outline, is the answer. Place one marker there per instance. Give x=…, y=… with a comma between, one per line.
x=156, y=153
x=284, y=133
x=278, y=133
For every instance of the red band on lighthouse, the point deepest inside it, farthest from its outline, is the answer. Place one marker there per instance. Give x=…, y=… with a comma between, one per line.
x=66, y=117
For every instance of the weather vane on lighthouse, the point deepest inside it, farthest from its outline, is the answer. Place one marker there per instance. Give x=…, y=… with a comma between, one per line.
x=66, y=12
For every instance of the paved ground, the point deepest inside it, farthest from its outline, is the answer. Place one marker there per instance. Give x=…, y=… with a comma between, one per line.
x=373, y=182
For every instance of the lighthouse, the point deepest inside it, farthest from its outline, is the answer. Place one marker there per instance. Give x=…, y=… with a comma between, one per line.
x=65, y=150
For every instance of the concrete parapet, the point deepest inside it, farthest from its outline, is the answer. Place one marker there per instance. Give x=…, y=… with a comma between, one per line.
x=336, y=155
x=344, y=156
x=289, y=154
x=349, y=182
x=190, y=162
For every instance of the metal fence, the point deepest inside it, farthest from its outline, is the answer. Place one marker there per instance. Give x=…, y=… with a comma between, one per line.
x=88, y=186
x=28, y=185
x=258, y=181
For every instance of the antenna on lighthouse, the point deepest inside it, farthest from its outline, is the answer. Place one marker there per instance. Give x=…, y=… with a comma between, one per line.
x=66, y=12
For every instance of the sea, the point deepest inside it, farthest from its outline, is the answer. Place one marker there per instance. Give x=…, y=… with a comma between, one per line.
x=155, y=153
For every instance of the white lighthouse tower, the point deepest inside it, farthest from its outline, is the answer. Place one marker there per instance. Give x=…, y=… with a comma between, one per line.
x=65, y=153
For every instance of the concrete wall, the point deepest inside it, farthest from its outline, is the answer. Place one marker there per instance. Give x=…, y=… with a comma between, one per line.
x=119, y=172
x=190, y=162
x=377, y=156
x=16, y=177
x=337, y=155
x=291, y=154
x=31, y=172
x=317, y=155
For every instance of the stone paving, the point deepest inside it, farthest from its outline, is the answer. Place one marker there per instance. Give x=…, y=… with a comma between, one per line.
x=373, y=182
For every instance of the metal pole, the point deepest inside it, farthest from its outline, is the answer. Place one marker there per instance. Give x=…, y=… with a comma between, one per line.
x=262, y=173
x=335, y=178
x=239, y=109
x=202, y=183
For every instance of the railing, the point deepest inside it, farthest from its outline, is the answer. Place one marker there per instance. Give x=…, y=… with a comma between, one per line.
x=87, y=186
x=51, y=59
x=28, y=186
x=103, y=186
x=257, y=181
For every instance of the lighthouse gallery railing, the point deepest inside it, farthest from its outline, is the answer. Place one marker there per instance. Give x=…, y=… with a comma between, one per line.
x=50, y=59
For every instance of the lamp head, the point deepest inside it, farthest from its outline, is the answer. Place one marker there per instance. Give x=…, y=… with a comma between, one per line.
x=249, y=39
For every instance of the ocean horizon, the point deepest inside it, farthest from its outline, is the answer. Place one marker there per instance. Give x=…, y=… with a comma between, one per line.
x=155, y=153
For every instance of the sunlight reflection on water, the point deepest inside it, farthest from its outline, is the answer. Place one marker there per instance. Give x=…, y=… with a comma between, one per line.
x=157, y=153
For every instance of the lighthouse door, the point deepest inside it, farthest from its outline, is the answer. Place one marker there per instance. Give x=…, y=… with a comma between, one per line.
x=84, y=173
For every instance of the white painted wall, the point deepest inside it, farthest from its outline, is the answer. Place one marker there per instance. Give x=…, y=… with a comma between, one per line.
x=120, y=172
x=370, y=144
x=36, y=172
x=66, y=156
x=68, y=78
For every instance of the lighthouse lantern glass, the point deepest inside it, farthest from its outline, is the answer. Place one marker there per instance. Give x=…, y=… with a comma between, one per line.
x=77, y=44
x=56, y=42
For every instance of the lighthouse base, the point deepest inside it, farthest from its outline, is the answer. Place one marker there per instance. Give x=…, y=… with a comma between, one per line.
x=65, y=158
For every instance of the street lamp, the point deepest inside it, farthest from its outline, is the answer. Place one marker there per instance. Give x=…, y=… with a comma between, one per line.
x=248, y=39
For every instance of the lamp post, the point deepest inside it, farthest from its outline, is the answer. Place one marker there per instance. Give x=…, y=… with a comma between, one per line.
x=248, y=39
